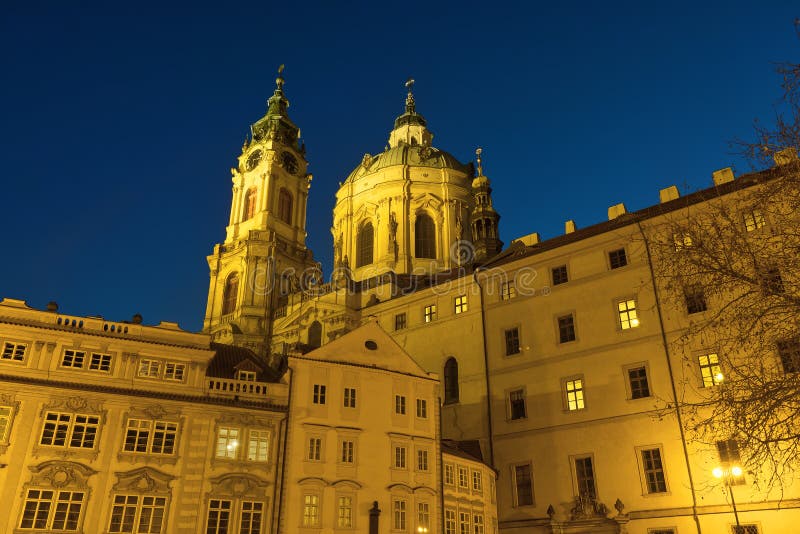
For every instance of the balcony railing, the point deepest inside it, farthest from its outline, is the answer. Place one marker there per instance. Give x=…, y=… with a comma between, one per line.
x=233, y=388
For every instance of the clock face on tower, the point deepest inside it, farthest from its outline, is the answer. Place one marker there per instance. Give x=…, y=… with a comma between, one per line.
x=253, y=160
x=289, y=163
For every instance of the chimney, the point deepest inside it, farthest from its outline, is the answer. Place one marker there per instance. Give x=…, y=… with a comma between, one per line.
x=722, y=176
x=668, y=193
x=616, y=210
x=530, y=239
x=569, y=226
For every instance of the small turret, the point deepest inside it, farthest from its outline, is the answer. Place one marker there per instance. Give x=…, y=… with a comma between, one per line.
x=485, y=220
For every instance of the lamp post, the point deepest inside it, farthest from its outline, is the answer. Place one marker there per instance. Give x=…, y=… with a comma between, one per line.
x=727, y=475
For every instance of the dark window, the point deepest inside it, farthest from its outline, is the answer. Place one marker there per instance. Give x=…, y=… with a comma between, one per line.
x=230, y=293
x=638, y=381
x=285, y=203
x=450, y=381
x=315, y=334
x=425, y=235
x=789, y=351
x=744, y=529
x=249, y=204
x=566, y=328
x=319, y=394
x=512, y=341
x=524, y=485
x=364, y=245
x=695, y=300
x=771, y=281
x=653, y=471
x=560, y=275
x=349, y=397
x=399, y=321
x=617, y=258
x=662, y=531
x=516, y=400
x=584, y=472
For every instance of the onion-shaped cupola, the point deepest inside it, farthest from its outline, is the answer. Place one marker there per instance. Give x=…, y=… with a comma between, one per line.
x=485, y=220
x=276, y=124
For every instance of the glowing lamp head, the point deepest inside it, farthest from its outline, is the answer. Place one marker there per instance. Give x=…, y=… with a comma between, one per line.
x=719, y=377
x=717, y=472
x=634, y=322
x=232, y=445
x=736, y=471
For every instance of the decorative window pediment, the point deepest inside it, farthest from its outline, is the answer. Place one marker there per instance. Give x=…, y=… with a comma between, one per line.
x=59, y=474
x=239, y=485
x=143, y=480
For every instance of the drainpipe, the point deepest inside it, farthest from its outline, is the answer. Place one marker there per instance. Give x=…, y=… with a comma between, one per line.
x=276, y=514
x=486, y=369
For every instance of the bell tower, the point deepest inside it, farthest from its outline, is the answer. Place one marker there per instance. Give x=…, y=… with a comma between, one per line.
x=485, y=220
x=264, y=253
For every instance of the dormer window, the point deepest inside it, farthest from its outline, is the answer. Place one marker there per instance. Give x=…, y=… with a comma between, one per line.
x=249, y=376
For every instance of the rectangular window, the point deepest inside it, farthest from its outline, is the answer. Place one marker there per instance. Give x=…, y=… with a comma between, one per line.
x=315, y=449
x=73, y=358
x=399, y=321
x=423, y=516
x=422, y=460
x=729, y=457
x=477, y=481
x=460, y=304
x=149, y=368
x=512, y=341
x=5, y=423
x=251, y=516
x=13, y=351
x=789, y=352
x=637, y=378
x=258, y=445
x=523, y=485
x=449, y=475
x=319, y=394
x=399, y=509
x=574, y=392
x=661, y=531
x=100, y=362
x=653, y=471
x=430, y=313
x=449, y=522
x=52, y=510
x=695, y=299
x=477, y=523
x=753, y=220
x=463, y=477
x=227, y=442
x=400, y=404
x=617, y=258
x=516, y=401
x=311, y=511
x=348, y=451
x=154, y=437
x=344, y=514
x=508, y=290
x=77, y=431
x=399, y=457
x=628, y=317
x=464, y=522
x=219, y=516
x=422, y=408
x=560, y=275
x=349, y=397
x=138, y=513
x=710, y=370
x=584, y=473
x=246, y=376
x=566, y=328
x=174, y=371
x=744, y=529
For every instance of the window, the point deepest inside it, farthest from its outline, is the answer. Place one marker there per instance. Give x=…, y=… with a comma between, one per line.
x=249, y=204
x=230, y=293
x=285, y=203
x=229, y=442
x=149, y=368
x=566, y=328
x=424, y=237
x=349, y=397
x=753, y=220
x=315, y=334
x=744, y=529
x=399, y=519
x=422, y=408
x=73, y=358
x=560, y=275
x=617, y=258
x=523, y=485
x=344, y=513
x=508, y=290
x=710, y=370
x=463, y=522
x=154, y=437
x=77, y=431
x=463, y=477
x=5, y=422
x=628, y=318
x=789, y=352
x=315, y=449
x=319, y=394
x=422, y=460
x=174, y=371
x=449, y=522
x=460, y=304
x=512, y=341
x=247, y=376
x=76, y=359
x=516, y=401
x=449, y=475
x=138, y=513
x=637, y=378
x=400, y=404
x=653, y=471
x=219, y=516
x=423, y=516
x=348, y=451
x=451, y=393
x=574, y=390
x=258, y=445
x=771, y=281
x=52, y=510
x=400, y=321
x=477, y=481
x=661, y=531
x=729, y=457
x=430, y=313
x=311, y=511
x=695, y=299
x=220, y=519
x=477, y=523
x=13, y=351
x=364, y=245
x=584, y=474
x=399, y=457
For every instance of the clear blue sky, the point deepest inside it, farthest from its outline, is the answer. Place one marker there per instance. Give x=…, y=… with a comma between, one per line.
x=120, y=124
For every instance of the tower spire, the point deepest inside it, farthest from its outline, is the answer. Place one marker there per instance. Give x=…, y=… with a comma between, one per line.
x=410, y=105
x=276, y=124
x=485, y=220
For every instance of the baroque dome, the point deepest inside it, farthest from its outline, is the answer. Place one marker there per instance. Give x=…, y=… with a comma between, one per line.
x=411, y=155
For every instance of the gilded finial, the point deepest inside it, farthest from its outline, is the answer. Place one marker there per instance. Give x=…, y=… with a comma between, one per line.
x=410, y=96
x=280, y=69
x=478, y=152
x=279, y=80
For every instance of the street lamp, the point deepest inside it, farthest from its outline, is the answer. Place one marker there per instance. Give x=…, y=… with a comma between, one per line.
x=422, y=529
x=727, y=475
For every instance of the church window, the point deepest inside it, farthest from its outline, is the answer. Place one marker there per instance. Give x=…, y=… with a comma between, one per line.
x=425, y=235
x=365, y=244
x=285, y=203
x=249, y=204
x=315, y=334
x=451, y=381
x=230, y=293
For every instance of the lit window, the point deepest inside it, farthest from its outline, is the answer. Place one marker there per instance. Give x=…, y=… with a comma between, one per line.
x=566, y=328
x=695, y=299
x=560, y=275
x=523, y=485
x=422, y=408
x=311, y=510
x=319, y=394
x=574, y=391
x=400, y=321
x=174, y=371
x=653, y=471
x=430, y=313
x=516, y=400
x=154, y=437
x=463, y=477
x=710, y=370
x=227, y=442
x=512, y=341
x=508, y=290
x=138, y=513
x=258, y=445
x=344, y=514
x=617, y=258
x=449, y=475
x=52, y=510
x=78, y=431
x=753, y=220
x=460, y=304
x=315, y=449
x=628, y=318
x=584, y=473
x=399, y=457
x=13, y=351
x=399, y=509
x=422, y=460
x=423, y=516
x=789, y=352
x=349, y=397
x=477, y=481
x=637, y=378
x=400, y=404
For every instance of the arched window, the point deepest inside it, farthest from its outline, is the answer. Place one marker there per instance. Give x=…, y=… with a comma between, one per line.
x=425, y=237
x=364, y=245
x=315, y=334
x=249, y=204
x=230, y=293
x=285, y=206
x=450, y=381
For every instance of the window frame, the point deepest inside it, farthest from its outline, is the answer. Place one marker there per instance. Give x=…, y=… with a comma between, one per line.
x=559, y=275
x=651, y=486
x=516, y=484
x=714, y=377
x=629, y=386
x=70, y=432
x=400, y=321
x=508, y=290
x=460, y=304
x=422, y=408
x=429, y=313
x=349, y=397
x=11, y=350
x=152, y=430
x=319, y=393
x=518, y=396
x=564, y=329
x=53, y=509
x=400, y=405
x=627, y=314
x=579, y=476
x=512, y=341
x=574, y=392
x=617, y=258
x=140, y=505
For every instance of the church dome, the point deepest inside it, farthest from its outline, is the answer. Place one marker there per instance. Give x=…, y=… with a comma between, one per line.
x=411, y=155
